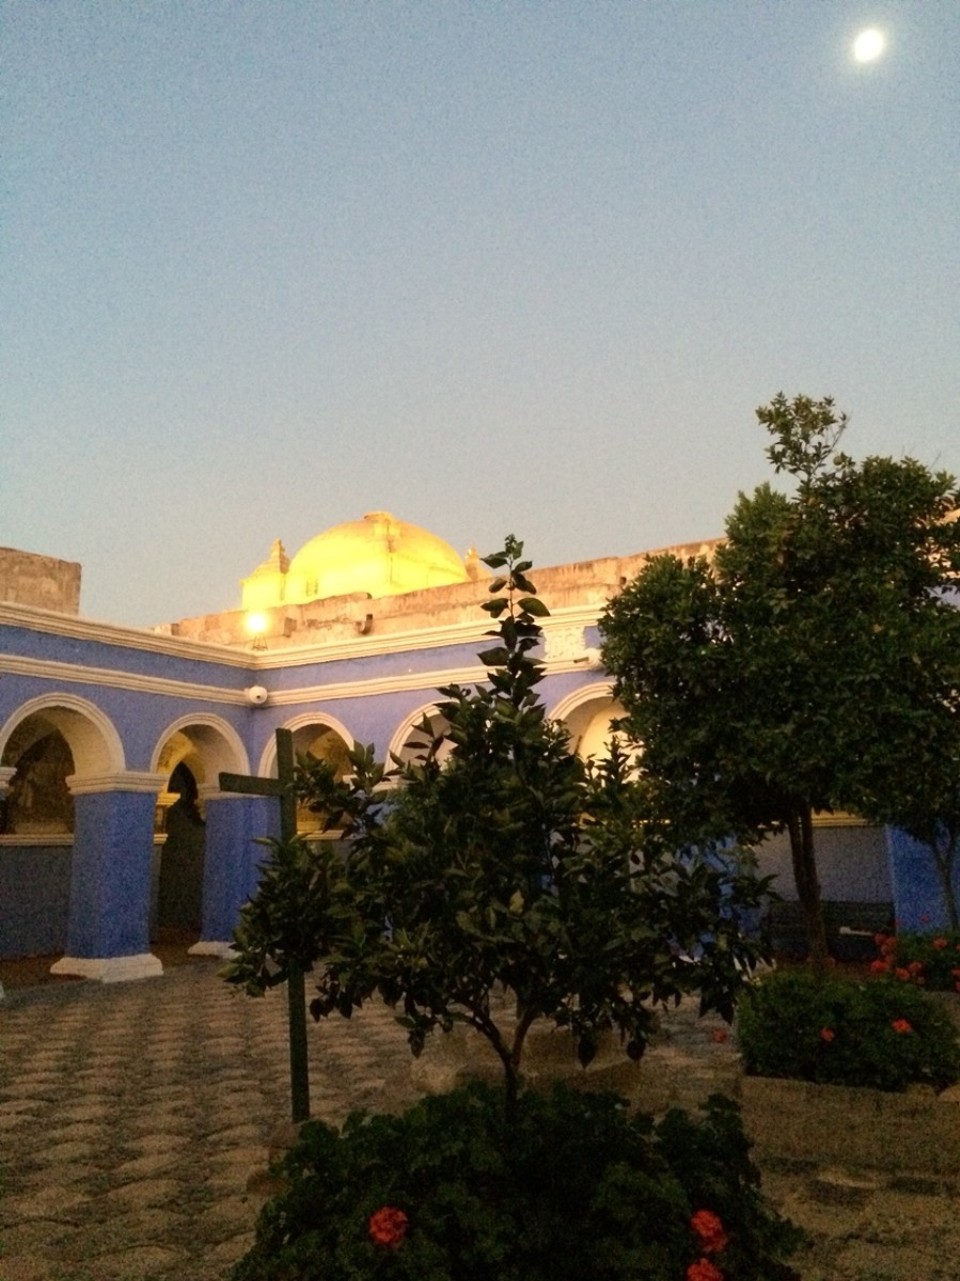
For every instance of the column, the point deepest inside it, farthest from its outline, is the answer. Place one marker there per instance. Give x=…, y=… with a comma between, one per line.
x=108, y=934
x=918, y=900
x=235, y=823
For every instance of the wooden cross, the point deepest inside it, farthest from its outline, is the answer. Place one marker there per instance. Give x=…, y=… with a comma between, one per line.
x=282, y=788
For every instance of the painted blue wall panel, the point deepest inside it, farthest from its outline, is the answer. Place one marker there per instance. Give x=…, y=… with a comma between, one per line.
x=399, y=663
x=52, y=647
x=918, y=894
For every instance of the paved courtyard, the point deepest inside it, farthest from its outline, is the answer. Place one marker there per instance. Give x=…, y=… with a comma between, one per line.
x=132, y=1115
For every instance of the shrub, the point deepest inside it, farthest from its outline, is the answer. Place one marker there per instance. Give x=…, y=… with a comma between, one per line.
x=576, y=1187
x=502, y=862
x=842, y=1033
x=925, y=960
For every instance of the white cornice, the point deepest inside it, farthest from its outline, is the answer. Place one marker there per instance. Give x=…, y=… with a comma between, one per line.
x=105, y=677
x=128, y=781
x=319, y=651
x=43, y=620
x=63, y=673
x=474, y=675
x=48, y=669
x=476, y=632
x=379, y=685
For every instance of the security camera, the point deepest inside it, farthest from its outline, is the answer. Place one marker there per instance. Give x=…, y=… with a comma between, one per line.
x=256, y=695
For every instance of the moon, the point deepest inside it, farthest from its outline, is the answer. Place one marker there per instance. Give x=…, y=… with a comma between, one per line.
x=869, y=45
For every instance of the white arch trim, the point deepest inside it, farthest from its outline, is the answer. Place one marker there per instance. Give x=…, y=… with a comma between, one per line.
x=599, y=690
x=91, y=734
x=399, y=740
x=268, y=758
x=226, y=752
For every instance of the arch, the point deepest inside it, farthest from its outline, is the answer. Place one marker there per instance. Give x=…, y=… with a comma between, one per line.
x=205, y=743
x=400, y=742
x=587, y=713
x=323, y=737
x=90, y=734
x=305, y=721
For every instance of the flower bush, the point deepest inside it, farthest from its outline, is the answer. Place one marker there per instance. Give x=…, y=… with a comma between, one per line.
x=575, y=1187
x=838, y=1032
x=925, y=960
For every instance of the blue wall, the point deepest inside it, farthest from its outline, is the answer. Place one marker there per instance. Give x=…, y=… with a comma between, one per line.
x=919, y=894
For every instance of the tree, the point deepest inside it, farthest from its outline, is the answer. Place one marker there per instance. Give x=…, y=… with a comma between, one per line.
x=804, y=667
x=512, y=865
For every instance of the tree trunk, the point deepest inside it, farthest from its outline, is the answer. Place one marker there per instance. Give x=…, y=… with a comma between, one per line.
x=800, y=827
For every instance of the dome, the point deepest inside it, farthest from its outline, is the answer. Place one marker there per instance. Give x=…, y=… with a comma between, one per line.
x=379, y=555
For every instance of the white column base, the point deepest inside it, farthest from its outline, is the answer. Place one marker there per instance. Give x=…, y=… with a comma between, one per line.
x=204, y=948
x=109, y=969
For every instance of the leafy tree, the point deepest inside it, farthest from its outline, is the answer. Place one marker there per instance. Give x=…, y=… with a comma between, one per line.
x=812, y=664
x=512, y=865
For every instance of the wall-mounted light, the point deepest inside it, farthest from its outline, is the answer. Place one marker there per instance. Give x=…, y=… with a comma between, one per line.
x=256, y=625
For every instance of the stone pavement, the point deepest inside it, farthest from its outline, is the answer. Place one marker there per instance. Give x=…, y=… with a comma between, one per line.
x=132, y=1115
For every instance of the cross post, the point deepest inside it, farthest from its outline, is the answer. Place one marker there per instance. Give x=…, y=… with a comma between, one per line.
x=282, y=788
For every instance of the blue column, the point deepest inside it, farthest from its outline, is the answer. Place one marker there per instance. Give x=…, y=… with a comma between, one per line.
x=108, y=933
x=231, y=862
x=917, y=892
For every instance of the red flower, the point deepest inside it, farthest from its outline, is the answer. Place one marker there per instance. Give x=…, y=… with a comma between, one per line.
x=709, y=1232
x=915, y=967
x=902, y=974
x=901, y=1025
x=939, y=943
x=827, y=1034
x=388, y=1226
x=719, y=1035
x=704, y=1270
x=880, y=967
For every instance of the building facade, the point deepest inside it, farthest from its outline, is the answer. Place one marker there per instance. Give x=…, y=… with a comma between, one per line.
x=113, y=826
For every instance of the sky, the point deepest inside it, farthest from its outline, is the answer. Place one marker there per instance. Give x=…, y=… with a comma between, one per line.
x=505, y=266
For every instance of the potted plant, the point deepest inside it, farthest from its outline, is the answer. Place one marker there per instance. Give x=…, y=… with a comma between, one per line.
x=828, y=1064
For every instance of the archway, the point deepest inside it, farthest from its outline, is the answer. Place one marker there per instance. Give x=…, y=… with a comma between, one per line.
x=38, y=800
x=320, y=736
x=89, y=733
x=191, y=754
x=413, y=736
x=50, y=747
x=588, y=714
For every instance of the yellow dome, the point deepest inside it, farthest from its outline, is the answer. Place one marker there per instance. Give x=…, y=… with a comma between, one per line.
x=379, y=555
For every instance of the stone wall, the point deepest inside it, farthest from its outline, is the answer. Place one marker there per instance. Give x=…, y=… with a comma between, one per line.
x=583, y=584
x=39, y=581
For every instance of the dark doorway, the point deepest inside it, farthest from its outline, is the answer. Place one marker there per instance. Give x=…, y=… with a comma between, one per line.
x=180, y=894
